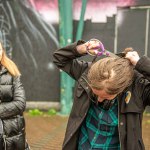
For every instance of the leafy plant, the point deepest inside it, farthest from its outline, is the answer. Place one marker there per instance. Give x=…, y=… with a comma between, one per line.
x=35, y=112
x=52, y=111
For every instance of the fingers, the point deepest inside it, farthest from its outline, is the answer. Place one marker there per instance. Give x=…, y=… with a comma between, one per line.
x=92, y=44
x=133, y=57
x=131, y=54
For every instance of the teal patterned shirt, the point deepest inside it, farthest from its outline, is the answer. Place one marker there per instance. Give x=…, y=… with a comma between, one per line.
x=100, y=129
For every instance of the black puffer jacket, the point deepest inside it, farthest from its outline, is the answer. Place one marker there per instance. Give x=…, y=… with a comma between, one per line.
x=12, y=106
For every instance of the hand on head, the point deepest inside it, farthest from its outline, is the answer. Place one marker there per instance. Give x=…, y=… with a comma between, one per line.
x=89, y=47
x=133, y=56
x=93, y=47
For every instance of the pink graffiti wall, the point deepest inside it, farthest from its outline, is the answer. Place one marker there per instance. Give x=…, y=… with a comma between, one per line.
x=97, y=10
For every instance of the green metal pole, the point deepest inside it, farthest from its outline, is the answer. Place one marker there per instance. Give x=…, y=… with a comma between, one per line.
x=81, y=22
x=65, y=35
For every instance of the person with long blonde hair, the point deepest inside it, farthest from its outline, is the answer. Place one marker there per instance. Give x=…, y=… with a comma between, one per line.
x=12, y=106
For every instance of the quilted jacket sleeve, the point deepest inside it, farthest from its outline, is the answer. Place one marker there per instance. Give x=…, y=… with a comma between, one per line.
x=17, y=105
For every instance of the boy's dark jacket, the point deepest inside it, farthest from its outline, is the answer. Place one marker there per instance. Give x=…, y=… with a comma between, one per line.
x=130, y=115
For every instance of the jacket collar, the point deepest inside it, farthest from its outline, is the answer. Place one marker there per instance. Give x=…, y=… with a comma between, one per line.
x=84, y=81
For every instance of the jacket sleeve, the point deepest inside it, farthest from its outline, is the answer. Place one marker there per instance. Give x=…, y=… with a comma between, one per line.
x=143, y=66
x=17, y=105
x=66, y=59
x=143, y=79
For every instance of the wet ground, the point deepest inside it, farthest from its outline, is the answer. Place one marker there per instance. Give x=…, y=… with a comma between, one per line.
x=47, y=132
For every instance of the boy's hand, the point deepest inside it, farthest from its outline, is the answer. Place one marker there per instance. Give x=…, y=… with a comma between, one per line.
x=133, y=56
x=90, y=45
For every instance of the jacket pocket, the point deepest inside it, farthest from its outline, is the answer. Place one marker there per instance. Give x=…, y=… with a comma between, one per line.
x=15, y=142
x=10, y=126
x=13, y=126
x=139, y=141
x=21, y=123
